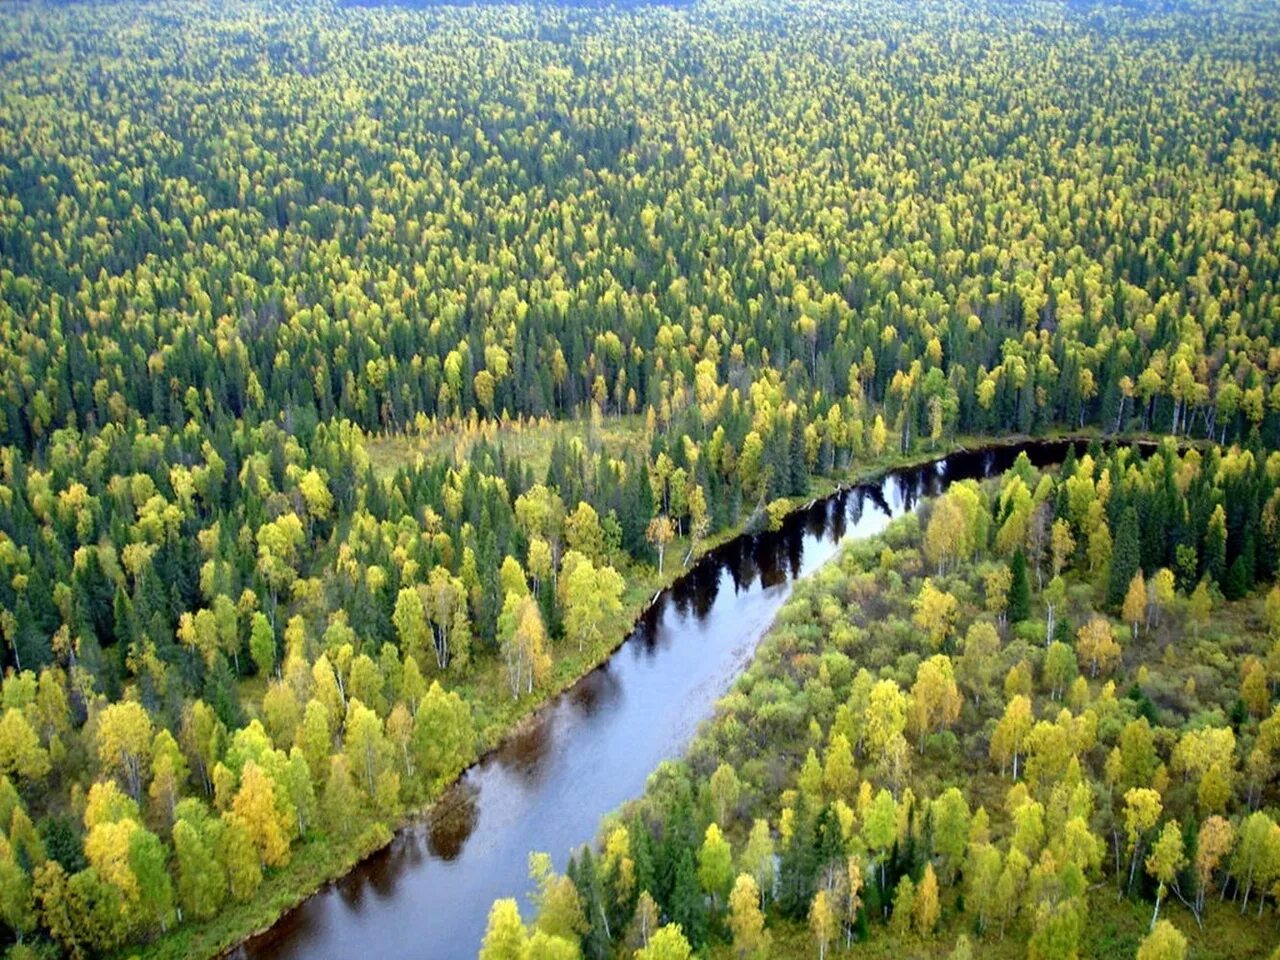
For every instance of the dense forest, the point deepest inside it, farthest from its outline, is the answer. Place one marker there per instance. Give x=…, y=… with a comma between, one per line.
x=993, y=731
x=289, y=289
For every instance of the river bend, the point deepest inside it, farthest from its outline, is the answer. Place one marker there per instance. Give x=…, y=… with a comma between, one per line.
x=427, y=895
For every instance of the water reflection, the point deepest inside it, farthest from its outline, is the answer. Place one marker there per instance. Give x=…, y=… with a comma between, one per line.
x=597, y=691
x=704, y=582
x=546, y=787
x=452, y=820
x=875, y=497
x=524, y=751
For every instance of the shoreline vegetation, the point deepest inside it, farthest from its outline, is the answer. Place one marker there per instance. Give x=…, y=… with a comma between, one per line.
x=314, y=873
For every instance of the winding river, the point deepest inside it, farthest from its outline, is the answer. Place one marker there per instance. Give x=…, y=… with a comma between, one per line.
x=426, y=896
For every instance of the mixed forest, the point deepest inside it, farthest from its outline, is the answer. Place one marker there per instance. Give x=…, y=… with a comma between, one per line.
x=364, y=369
x=996, y=731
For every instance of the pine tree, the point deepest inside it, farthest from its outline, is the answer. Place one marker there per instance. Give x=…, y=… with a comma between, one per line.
x=586, y=879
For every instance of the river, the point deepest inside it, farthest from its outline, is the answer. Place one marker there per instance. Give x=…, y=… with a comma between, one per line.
x=426, y=896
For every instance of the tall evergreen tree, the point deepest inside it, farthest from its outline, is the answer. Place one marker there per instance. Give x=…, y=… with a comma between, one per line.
x=688, y=906
x=1019, y=604
x=1125, y=558
x=798, y=485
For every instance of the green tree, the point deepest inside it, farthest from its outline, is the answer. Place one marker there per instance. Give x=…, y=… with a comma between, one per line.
x=16, y=901
x=238, y=857
x=592, y=600
x=202, y=883
x=262, y=645
x=340, y=798
x=1166, y=861
x=757, y=858
x=725, y=791
x=715, y=865
x=125, y=734
x=1125, y=559
x=667, y=943
x=951, y=819
x=1164, y=942
x=366, y=745
x=880, y=830
x=443, y=735
x=505, y=937
x=1019, y=608
x=148, y=862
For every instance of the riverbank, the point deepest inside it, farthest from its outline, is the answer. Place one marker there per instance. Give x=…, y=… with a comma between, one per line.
x=498, y=717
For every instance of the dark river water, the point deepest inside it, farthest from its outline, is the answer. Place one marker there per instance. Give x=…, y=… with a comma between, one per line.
x=427, y=895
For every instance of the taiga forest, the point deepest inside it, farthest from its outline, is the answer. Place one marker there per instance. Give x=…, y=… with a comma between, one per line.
x=724, y=479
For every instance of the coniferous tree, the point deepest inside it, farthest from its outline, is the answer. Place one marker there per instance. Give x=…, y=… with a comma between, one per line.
x=688, y=906
x=1019, y=602
x=1125, y=558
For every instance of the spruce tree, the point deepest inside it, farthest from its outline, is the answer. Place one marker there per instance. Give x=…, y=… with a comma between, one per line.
x=1236, y=585
x=641, y=842
x=1125, y=558
x=586, y=878
x=1019, y=607
x=798, y=865
x=799, y=467
x=688, y=906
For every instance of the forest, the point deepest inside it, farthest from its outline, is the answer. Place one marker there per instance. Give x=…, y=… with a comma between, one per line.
x=996, y=730
x=364, y=370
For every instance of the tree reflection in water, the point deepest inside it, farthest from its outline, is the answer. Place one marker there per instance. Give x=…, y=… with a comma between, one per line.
x=452, y=820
